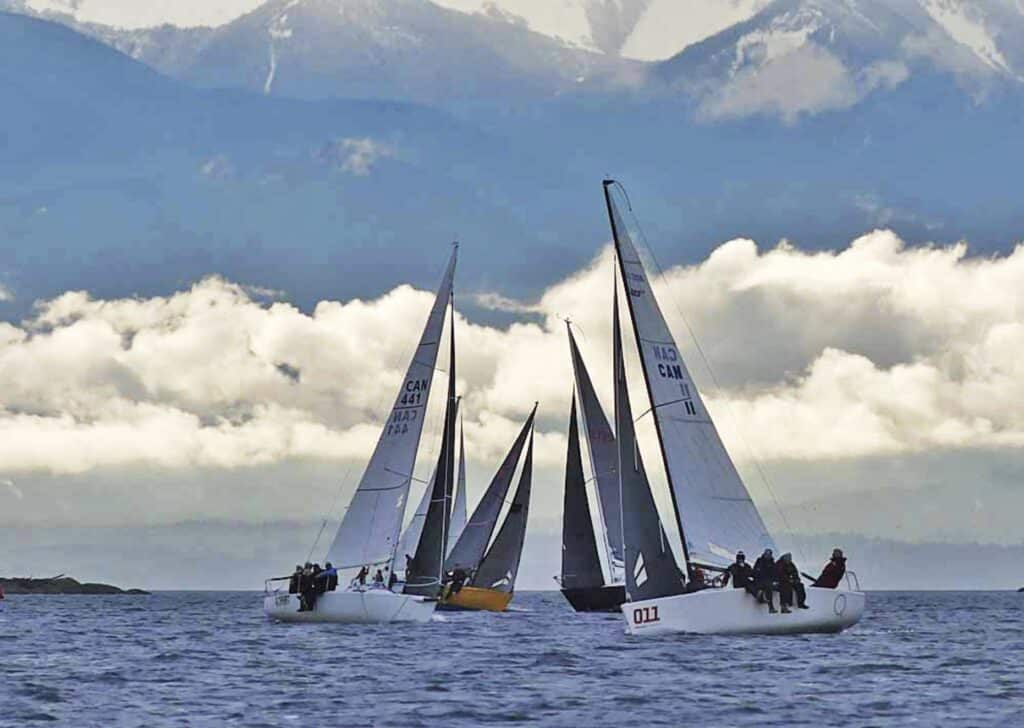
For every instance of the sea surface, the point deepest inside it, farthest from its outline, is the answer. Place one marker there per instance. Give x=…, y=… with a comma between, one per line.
x=212, y=659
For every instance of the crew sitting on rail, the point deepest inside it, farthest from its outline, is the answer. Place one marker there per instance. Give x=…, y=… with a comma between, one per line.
x=833, y=572
x=741, y=574
x=764, y=579
x=789, y=582
x=330, y=577
x=378, y=580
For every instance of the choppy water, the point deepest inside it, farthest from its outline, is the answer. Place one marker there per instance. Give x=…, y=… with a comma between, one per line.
x=212, y=659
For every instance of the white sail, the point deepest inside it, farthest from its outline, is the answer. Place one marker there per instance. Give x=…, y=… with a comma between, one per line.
x=368, y=533
x=411, y=535
x=458, y=520
x=717, y=516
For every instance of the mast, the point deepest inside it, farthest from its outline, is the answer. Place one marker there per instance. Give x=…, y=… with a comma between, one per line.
x=427, y=566
x=647, y=380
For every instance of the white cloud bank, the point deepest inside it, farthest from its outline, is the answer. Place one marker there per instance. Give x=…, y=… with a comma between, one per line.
x=876, y=349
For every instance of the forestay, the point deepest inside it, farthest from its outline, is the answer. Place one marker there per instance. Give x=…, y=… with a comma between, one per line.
x=603, y=457
x=651, y=569
x=472, y=543
x=717, y=515
x=500, y=566
x=581, y=565
x=369, y=531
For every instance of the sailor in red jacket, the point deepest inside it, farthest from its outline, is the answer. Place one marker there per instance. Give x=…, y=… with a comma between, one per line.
x=833, y=572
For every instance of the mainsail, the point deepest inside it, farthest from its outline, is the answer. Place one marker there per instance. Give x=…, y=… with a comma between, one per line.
x=423, y=574
x=501, y=564
x=472, y=543
x=369, y=531
x=651, y=569
x=581, y=565
x=716, y=514
x=458, y=520
x=603, y=457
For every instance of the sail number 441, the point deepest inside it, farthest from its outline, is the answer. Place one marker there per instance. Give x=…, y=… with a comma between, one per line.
x=645, y=615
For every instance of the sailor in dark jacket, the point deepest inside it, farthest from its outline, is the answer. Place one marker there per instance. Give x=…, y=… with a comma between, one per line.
x=789, y=583
x=833, y=572
x=764, y=576
x=295, y=581
x=330, y=577
x=740, y=573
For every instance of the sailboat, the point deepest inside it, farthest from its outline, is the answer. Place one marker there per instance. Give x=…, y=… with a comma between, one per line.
x=369, y=532
x=713, y=509
x=482, y=578
x=582, y=580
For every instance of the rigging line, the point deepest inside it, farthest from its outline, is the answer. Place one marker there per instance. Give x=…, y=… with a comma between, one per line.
x=707, y=365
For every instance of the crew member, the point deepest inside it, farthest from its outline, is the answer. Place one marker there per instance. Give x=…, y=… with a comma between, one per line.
x=833, y=572
x=295, y=581
x=740, y=573
x=764, y=576
x=789, y=583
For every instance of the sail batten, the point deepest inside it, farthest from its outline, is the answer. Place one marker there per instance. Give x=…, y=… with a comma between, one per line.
x=713, y=507
x=369, y=531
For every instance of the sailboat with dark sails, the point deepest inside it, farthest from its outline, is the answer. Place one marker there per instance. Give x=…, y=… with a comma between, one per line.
x=713, y=510
x=369, y=532
x=583, y=581
x=481, y=574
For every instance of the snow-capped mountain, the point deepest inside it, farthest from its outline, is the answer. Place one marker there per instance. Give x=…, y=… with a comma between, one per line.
x=399, y=49
x=801, y=57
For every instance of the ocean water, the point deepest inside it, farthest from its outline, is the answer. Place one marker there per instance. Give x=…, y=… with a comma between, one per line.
x=212, y=659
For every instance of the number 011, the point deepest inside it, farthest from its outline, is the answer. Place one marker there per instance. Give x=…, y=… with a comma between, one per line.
x=643, y=615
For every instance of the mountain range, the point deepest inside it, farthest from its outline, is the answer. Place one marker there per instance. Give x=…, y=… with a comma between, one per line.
x=136, y=160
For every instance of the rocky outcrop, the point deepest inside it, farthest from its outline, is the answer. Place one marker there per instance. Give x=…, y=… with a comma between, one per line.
x=60, y=585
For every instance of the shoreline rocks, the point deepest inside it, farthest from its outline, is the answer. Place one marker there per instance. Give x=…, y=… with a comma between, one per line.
x=61, y=585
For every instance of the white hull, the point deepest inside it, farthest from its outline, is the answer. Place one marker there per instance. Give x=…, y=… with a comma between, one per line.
x=733, y=611
x=369, y=606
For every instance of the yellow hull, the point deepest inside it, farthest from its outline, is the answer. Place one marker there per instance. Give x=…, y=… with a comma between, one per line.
x=471, y=597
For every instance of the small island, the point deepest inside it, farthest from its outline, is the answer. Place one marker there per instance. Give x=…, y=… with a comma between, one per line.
x=60, y=585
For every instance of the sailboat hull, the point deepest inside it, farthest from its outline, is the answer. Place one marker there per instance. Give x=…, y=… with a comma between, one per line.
x=369, y=606
x=471, y=598
x=597, y=598
x=733, y=611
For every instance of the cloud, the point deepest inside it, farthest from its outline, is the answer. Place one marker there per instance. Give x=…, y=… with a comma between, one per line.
x=803, y=81
x=189, y=405
x=5, y=294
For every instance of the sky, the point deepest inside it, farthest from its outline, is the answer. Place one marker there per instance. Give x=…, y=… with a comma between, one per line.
x=875, y=386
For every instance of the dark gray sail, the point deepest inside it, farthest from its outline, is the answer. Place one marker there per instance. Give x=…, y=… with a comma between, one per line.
x=651, y=569
x=501, y=564
x=423, y=573
x=581, y=565
x=604, y=457
x=472, y=544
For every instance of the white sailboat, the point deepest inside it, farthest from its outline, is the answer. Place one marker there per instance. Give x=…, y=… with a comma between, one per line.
x=369, y=532
x=714, y=512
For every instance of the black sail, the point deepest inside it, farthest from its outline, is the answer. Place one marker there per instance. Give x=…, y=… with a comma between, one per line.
x=651, y=569
x=604, y=455
x=501, y=564
x=423, y=574
x=581, y=565
x=472, y=544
